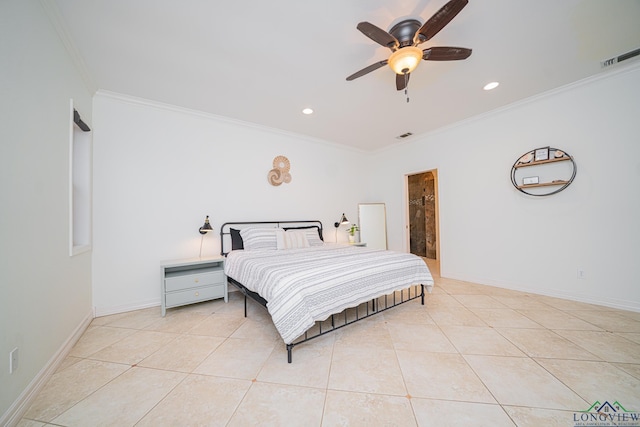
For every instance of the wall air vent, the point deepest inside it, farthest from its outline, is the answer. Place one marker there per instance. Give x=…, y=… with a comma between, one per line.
x=404, y=135
x=611, y=61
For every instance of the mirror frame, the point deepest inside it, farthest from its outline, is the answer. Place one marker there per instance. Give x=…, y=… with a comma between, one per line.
x=373, y=228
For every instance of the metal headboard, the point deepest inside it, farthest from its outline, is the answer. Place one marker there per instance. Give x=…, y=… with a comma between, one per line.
x=225, y=233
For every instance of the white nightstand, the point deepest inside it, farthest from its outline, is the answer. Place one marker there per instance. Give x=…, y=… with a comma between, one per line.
x=187, y=281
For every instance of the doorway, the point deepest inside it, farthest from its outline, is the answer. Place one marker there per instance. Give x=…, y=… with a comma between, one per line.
x=422, y=210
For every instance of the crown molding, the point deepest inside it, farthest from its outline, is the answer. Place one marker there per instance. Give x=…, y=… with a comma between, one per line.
x=129, y=99
x=606, y=74
x=55, y=17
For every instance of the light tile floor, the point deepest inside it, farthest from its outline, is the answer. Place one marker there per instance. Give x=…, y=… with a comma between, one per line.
x=474, y=355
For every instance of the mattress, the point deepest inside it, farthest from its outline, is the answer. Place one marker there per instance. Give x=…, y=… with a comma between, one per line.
x=305, y=285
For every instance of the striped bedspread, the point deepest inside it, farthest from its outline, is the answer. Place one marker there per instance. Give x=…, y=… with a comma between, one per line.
x=305, y=285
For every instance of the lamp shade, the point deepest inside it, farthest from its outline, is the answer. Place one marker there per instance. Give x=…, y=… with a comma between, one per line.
x=405, y=60
x=343, y=220
x=206, y=227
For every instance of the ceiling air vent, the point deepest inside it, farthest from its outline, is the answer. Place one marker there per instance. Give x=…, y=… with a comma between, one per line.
x=404, y=135
x=611, y=61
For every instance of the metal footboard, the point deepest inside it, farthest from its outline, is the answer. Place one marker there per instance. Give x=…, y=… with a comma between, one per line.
x=344, y=318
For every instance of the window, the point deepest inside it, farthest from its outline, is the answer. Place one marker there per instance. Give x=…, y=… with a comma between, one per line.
x=79, y=185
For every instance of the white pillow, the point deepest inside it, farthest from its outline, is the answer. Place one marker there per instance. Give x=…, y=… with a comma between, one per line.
x=312, y=237
x=292, y=239
x=259, y=238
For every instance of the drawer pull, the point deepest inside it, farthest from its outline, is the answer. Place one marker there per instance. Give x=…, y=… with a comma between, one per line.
x=197, y=294
x=196, y=280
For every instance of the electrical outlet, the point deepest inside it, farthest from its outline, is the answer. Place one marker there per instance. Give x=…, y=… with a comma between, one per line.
x=13, y=360
x=582, y=274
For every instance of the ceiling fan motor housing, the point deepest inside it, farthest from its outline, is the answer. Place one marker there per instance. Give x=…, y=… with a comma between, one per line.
x=405, y=30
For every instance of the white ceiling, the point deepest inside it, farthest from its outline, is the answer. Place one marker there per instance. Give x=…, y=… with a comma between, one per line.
x=264, y=61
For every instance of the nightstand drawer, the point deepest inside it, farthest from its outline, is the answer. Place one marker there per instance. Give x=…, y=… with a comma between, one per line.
x=189, y=279
x=194, y=295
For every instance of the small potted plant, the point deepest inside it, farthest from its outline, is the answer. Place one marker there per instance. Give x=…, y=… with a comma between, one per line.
x=352, y=233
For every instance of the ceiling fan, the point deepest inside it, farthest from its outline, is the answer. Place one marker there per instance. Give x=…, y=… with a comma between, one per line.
x=403, y=39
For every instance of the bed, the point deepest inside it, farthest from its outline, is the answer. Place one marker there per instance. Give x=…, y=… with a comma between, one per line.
x=312, y=288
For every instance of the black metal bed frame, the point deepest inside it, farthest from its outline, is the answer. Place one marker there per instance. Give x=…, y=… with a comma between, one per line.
x=335, y=321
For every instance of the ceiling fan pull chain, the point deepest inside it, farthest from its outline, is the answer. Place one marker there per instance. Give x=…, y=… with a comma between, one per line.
x=406, y=86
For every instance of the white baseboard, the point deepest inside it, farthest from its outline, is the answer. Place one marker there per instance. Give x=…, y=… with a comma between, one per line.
x=107, y=311
x=603, y=301
x=117, y=309
x=16, y=411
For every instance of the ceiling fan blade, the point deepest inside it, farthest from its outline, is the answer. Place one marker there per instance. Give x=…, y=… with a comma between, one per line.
x=367, y=70
x=378, y=35
x=438, y=21
x=401, y=83
x=446, y=53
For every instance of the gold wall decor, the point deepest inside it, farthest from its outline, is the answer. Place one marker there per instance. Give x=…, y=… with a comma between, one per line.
x=280, y=172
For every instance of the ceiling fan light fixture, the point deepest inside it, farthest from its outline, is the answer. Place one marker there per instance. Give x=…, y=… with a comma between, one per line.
x=405, y=60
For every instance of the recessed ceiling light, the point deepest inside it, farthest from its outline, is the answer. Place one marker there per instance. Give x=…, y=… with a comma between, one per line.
x=307, y=111
x=491, y=85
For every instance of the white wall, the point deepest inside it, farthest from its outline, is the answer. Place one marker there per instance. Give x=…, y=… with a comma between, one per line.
x=492, y=234
x=45, y=295
x=158, y=170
